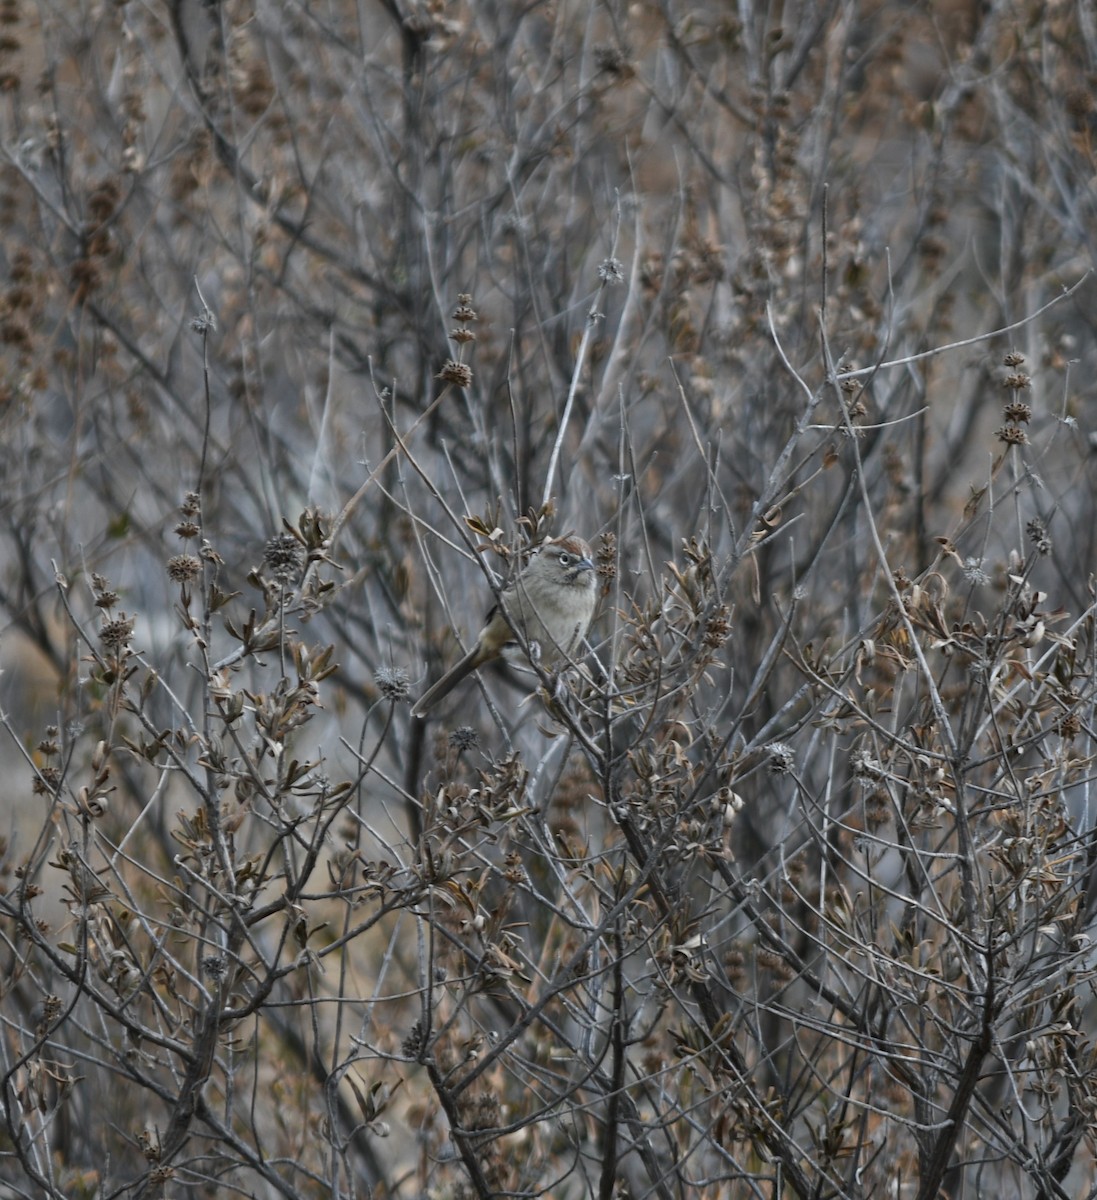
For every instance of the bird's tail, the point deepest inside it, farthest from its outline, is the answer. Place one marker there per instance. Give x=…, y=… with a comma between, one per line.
x=445, y=685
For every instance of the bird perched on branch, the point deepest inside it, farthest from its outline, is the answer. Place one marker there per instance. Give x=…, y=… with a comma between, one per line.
x=550, y=602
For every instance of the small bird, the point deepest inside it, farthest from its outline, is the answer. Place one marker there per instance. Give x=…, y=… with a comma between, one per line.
x=550, y=601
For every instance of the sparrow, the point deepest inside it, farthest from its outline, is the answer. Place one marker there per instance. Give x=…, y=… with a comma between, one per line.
x=550, y=601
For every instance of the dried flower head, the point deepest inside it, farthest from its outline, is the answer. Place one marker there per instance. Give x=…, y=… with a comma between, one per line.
x=205, y=322
x=393, y=683
x=610, y=271
x=781, y=758
x=105, y=595
x=718, y=628
x=1017, y=412
x=613, y=60
x=1069, y=727
x=184, y=568
x=974, y=572
x=734, y=963
x=214, y=966
x=51, y=1010
x=607, y=557
x=117, y=633
x=283, y=557
x=191, y=506
x=464, y=737
x=864, y=766
x=457, y=373
x=46, y=781
x=416, y=1041
x=1038, y=535
x=464, y=312
x=150, y=1145
x=1012, y=435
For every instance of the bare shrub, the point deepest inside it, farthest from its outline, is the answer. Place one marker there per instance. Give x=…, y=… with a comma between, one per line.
x=316, y=320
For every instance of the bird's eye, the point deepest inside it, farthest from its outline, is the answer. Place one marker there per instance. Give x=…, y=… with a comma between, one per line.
x=565, y=558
